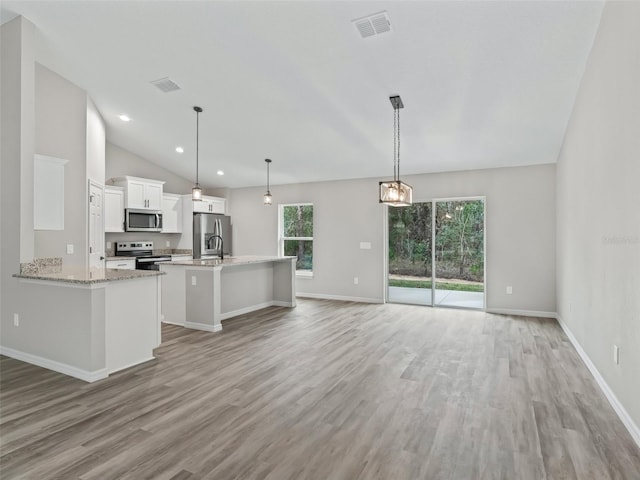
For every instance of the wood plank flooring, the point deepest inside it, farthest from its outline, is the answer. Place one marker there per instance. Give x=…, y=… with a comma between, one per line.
x=328, y=390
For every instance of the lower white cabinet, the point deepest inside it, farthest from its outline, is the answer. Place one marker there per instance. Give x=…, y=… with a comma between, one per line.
x=128, y=264
x=171, y=213
x=113, y=209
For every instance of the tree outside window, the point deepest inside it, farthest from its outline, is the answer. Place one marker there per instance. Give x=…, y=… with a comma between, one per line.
x=296, y=235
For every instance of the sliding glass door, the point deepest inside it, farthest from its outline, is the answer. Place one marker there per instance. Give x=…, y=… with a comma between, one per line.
x=410, y=272
x=459, y=253
x=436, y=253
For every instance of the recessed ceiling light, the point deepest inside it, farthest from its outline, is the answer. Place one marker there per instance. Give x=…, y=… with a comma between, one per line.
x=220, y=172
x=124, y=117
x=179, y=149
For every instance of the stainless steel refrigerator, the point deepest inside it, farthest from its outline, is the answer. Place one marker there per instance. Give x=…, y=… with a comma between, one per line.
x=211, y=235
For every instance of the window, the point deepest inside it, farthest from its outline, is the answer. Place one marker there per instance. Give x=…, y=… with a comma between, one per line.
x=296, y=235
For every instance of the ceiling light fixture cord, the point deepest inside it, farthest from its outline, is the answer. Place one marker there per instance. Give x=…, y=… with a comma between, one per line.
x=197, y=142
x=398, y=110
x=395, y=144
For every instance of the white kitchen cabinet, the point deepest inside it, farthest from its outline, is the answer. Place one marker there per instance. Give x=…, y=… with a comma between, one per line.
x=141, y=193
x=127, y=264
x=171, y=213
x=210, y=205
x=113, y=209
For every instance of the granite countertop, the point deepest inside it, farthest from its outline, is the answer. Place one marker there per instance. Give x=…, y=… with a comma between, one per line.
x=87, y=276
x=227, y=262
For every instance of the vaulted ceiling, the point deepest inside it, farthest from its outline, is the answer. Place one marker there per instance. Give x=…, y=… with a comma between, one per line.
x=484, y=83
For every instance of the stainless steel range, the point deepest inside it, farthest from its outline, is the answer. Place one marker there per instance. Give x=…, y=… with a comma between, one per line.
x=143, y=251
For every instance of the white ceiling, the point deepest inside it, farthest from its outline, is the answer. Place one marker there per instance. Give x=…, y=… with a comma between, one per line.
x=484, y=84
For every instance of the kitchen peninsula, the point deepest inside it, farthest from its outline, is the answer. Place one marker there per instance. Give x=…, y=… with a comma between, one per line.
x=200, y=294
x=86, y=323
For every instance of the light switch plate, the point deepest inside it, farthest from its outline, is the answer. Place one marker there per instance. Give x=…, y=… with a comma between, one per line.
x=365, y=245
x=69, y=248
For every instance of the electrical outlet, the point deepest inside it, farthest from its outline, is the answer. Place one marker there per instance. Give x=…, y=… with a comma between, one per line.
x=193, y=280
x=509, y=290
x=108, y=245
x=16, y=320
x=616, y=355
x=69, y=248
x=355, y=280
x=168, y=243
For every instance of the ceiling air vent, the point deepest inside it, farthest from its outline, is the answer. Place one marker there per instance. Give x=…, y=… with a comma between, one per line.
x=373, y=24
x=166, y=85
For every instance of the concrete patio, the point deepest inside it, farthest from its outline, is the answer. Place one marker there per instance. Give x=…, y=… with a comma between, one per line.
x=444, y=298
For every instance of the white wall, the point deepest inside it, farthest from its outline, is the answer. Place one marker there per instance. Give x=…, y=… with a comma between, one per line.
x=16, y=166
x=61, y=131
x=96, y=139
x=121, y=162
x=598, y=242
x=520, y=218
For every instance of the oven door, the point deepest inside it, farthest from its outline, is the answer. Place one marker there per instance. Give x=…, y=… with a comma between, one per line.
x=143, y=220
x=150, y=263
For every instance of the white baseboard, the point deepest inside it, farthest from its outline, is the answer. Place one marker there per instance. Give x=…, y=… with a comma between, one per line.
x=173, y=323
x=59, y=367
x=253, y=308
x=134, y=364
x=523, y=313
x=613, y=400
x=322, y=296
x=202, y=326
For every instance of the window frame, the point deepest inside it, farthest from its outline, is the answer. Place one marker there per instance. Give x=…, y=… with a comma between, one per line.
x=282, y=238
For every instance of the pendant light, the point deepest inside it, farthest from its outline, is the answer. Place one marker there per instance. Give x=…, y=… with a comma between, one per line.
x=196, y=192
x=267, y=196
x=395, y=192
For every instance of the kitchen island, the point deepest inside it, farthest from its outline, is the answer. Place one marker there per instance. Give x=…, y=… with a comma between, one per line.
x=86, y=323
x=200, y=294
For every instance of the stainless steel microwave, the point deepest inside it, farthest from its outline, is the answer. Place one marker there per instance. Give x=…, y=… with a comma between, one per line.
x=138, y=220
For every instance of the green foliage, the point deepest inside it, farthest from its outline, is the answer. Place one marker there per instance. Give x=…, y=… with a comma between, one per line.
x=459, y=243
x=298, y=222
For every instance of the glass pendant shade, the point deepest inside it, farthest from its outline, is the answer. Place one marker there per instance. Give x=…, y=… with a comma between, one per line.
x=196, y=193
x=396, y=193
x=268, y=199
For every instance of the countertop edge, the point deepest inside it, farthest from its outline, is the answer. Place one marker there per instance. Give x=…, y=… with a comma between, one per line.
x=80, y=281
x=237, y=262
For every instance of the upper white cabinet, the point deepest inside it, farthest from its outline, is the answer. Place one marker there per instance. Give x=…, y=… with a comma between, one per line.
x=142, y=193
x=210, y=205
x=48, y=193
x=171, y=213
x=113, y=209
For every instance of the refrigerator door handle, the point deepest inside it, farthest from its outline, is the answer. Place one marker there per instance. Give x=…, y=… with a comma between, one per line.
x=219, y=233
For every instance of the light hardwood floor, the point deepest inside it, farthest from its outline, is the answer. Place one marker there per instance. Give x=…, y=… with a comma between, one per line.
x=328, y=390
